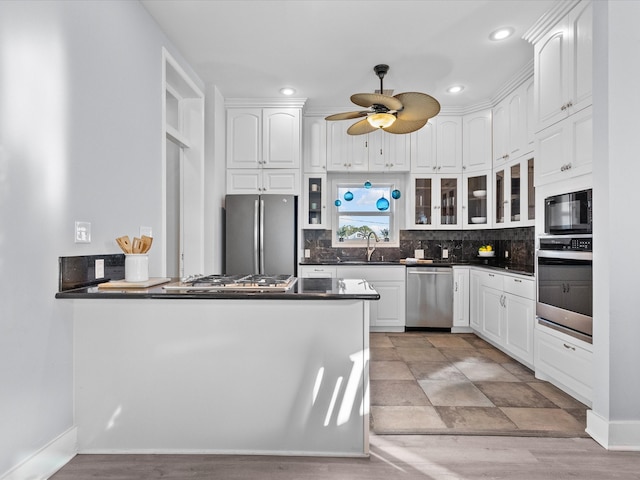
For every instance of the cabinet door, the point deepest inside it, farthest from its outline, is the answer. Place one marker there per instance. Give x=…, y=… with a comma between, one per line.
x=565, y=149
x=552, y=68
x=244, y=181
x=448, y=208
x=314, y=206
x=518, y=339
x=389, y=311
x=476, y=195
x=346, y=152
x=475, y=300
x=460, y=297
x=580, y=87
x=476, y=142
x=281, y=137
x=282, y=181
x=388, y=152
x=423, y=148
x=244, y=138
x=516, y=134
x=500, y=136
x=422, y=208
x=315, y=144
x=492, y=308
x=449, y=145
x=435, y=202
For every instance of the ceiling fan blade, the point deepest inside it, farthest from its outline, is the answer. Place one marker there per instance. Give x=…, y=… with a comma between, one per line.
x=369, y=99
x=347, y=115
x=360, y=128
x=405, y=126
x=417, y=106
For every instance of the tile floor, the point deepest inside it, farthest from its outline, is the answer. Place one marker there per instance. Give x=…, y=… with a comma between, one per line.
x=442, y=383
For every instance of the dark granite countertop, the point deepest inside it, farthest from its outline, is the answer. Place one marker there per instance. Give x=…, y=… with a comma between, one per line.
x=490, y=263
x=304, y=289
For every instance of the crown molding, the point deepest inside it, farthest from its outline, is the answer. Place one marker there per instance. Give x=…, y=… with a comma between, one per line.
x=524, y=74
x=548, y=20
x=265, y=102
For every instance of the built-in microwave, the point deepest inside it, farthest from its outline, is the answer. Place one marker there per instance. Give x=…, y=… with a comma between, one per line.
x=568, y=214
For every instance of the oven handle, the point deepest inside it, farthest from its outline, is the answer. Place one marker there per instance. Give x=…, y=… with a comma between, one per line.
x=568, y=255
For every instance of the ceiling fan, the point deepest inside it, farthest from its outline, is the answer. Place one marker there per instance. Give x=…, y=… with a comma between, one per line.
x=401, y=113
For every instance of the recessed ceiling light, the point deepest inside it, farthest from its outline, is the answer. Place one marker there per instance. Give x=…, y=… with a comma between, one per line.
x=455, y=89
x=287, y=91
x=501, y=33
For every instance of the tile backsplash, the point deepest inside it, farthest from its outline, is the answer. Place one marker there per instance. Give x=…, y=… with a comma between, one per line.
x=462, y=245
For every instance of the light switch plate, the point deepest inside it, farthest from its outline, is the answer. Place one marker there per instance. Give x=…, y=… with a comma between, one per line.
x=445, y=253
x=307, y=253
x=83, y=232
x=419, y=253
x=146, y=231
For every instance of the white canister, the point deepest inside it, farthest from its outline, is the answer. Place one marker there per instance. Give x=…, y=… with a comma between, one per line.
x=136, y=267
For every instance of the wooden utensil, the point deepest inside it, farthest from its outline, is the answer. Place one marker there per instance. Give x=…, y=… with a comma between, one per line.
x=137, y=245
x=146, y=243
x=125, y=244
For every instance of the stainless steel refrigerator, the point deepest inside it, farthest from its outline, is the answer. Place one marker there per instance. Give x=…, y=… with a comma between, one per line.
x=261, y=234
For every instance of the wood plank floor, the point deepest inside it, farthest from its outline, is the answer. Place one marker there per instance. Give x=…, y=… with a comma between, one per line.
x=435, y=457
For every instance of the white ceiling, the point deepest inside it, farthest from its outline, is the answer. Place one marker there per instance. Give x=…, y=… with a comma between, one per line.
x=326, y=49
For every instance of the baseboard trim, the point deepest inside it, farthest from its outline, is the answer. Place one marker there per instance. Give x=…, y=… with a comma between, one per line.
x=48, y=460
x=620, y=436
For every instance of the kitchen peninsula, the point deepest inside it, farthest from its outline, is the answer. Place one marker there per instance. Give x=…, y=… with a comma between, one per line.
x=285, y=373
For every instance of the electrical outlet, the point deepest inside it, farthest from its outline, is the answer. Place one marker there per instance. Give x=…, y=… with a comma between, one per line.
x=83, y=232
x=419, y=253
x=506, y=254
x=146, y=231
x=99, y=268
x=445, y=253
x=307, y=253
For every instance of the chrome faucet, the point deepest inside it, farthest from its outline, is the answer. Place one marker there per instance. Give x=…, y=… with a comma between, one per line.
x=371, y=249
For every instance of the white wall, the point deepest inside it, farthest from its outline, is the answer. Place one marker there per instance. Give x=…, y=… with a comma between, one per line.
x=616, y=406
x=80, y=139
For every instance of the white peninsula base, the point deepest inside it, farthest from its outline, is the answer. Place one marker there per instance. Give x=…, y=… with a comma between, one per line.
x=222, y=376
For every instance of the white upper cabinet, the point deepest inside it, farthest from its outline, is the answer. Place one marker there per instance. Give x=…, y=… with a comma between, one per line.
x=263, y=137
x=388, y=152
x=449, y=144
x=437, y=147
x=423, y=148
x=512, y=132
x=314, y=144
x=476, y=141
x=346, y=153
x=374, y=152
x=563, y=67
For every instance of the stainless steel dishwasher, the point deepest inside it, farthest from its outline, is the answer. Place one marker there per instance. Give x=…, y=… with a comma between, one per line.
x=429, y=297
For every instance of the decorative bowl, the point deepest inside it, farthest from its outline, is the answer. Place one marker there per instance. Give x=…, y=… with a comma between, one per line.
x=478, y=219
x=487, y=254
x=480, y=193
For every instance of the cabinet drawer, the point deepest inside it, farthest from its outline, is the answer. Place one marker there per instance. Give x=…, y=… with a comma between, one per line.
x=492, y=280
x=317, y=272
x=371, y=273
x=565, y=363
x=522, y=287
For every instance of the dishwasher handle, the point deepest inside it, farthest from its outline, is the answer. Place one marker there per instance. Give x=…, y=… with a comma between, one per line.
x=423, y=272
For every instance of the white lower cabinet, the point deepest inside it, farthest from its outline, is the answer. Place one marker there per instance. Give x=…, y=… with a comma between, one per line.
x=388, y=313
x=460, y=299
x=502, y=311
x=564, y=361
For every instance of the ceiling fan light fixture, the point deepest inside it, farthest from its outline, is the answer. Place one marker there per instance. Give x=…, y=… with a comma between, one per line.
x=381, y=120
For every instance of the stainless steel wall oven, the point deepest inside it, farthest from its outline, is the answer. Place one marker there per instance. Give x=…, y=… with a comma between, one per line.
x=565, y=284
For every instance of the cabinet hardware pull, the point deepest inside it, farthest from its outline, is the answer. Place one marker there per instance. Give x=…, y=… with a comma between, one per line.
x=380, y=151
x=569, y=347
x=517, y=280
x=491, y=275
x=456, y=289
x=366, y=144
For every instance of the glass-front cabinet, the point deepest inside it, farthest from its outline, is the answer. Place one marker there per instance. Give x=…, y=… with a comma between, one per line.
x=434, y=202
x=514, y=194
x=314, y=206
x=477, y=199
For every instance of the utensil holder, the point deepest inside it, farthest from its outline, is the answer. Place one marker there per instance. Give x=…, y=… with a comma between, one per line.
x=136, y=267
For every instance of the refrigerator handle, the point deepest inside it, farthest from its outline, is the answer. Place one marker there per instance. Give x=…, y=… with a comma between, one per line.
x=256, y=216
x=262, y=237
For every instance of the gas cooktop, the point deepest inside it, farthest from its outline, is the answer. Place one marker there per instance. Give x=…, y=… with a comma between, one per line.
x=245, y=283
